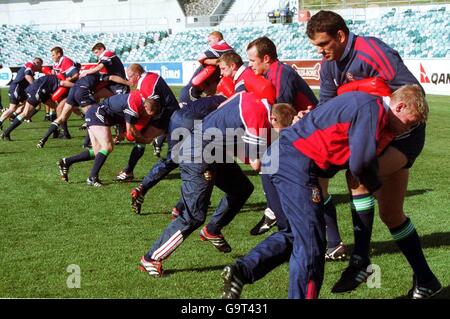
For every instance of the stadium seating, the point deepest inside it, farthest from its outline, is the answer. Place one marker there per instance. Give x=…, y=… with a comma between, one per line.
x=21, y=43
x=414, y=33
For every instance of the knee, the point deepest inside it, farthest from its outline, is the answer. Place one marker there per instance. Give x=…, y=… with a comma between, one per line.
x=197, y=221
x=109, y=147
x=392, y=217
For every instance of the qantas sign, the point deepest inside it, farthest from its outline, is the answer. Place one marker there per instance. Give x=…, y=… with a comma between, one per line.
x=436, y=77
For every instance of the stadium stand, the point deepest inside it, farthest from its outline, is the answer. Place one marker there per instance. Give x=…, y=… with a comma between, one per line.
x=20, y=43
x=415, y=33
x=198, y=7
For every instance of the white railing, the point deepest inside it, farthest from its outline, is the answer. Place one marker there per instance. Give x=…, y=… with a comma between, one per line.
x=342, y=4
x=108, y=25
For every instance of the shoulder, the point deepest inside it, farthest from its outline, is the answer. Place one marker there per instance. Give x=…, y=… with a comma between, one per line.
x=252, y=107
x=221, y=46
x=108, y=54
x=367, y=44
x=135, y=101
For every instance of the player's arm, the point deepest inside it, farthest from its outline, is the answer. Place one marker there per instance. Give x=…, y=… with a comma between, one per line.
x=29, y=78
x=328, y=88
x=210, y=62
x=119, y=80
x=95, y=69
x=209, y=57
x=363, y=163
x=70, y=81
x=133, y=131
x=255, y=147
x=29, y=74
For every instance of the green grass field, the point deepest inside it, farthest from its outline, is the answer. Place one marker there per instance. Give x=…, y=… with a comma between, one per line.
x=47, y=225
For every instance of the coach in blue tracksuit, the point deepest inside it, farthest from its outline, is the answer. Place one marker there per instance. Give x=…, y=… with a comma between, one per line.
x=248, y=117
x=349, y=131
x=183, y=118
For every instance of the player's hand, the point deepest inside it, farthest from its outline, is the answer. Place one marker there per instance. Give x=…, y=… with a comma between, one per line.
x=255, y=165
x=303, y=113
x=83, y=74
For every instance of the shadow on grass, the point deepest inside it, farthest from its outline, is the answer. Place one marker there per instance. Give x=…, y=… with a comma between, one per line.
x=251, y=172
x=444, y=294
x=345, y=198
x=163, y=213
x=428, y=241
x=14, y=152
x=252, y=207
x=194, y=269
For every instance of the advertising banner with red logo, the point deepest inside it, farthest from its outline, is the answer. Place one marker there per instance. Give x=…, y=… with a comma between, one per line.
x=434, y=75
x=309, y=70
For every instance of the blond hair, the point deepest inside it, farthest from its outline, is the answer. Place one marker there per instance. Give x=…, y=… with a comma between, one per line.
x=412, y=95
x=217, y=34
x=231, y=57
x=136, y=68
x=283, y=114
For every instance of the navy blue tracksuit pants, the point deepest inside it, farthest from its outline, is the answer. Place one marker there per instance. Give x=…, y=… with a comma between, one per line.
x=196, y=192
x=301, y=233
x=164, y=166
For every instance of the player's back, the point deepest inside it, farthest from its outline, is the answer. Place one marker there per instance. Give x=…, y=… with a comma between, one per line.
x=113, y=64
x=27, y=68
x=323, y=135
x=89, y=81
x=116, y=103
x=44, y=84
x=200, y=108
x=290, y=87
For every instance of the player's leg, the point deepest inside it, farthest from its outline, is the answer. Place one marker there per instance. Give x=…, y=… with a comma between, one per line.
x=6, y=114
x=158, y=144
x=86, y=140
x=266, y=256
x=335, y=247
x=302, y=203
x=17, y=96
x=237, y=188
x=54, y=126
x=362, y=204
x=87, y=154
x=195, y=192
x=390, y=199
x=63, y=124
x=102, y=94
x=158, y=172
x=103, y=145
x=137, y=152
x=268, y=220
x=20, y=118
